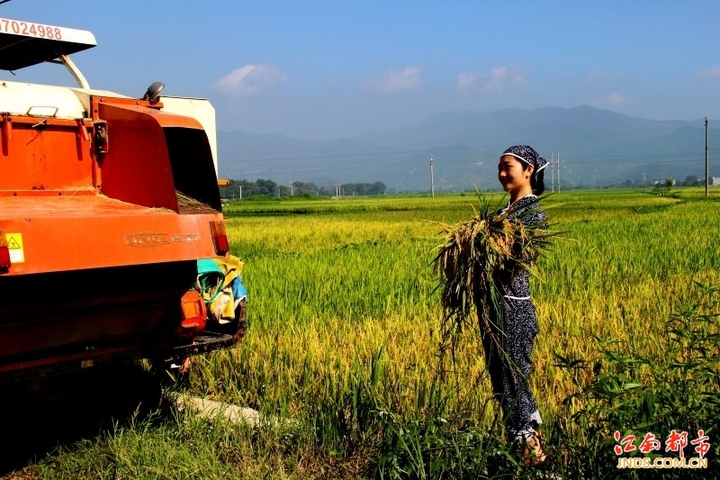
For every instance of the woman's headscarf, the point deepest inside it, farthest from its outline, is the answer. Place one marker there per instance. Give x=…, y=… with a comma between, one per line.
x=528, y=155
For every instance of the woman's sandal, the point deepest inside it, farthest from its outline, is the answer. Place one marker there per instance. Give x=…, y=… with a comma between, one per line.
x=532, y=451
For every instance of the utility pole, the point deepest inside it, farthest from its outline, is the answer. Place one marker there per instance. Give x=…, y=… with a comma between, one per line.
x=432, y=177
x=707, y=159
x=552, y=172
x=558, y=166
x=240, y=192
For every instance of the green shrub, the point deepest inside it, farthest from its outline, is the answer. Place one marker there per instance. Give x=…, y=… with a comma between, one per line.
x=674, y=388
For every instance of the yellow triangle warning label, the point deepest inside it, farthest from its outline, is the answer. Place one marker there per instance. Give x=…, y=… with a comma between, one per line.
x=15, y=246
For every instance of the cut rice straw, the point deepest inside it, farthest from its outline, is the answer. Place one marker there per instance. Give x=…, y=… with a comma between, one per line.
x=475, y=262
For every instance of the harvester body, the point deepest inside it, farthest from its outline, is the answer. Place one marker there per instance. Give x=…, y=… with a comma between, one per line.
x=106, y=204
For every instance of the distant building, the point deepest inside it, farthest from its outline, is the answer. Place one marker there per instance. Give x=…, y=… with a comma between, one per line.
x=714, y=180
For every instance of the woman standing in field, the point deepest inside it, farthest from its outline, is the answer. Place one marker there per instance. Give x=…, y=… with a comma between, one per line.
x=521, y=174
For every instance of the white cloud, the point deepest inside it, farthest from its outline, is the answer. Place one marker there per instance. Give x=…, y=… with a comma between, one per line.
x=395, y=80
x=498, y=80
x=248, y=80
x=712, y=72
x=613, y=99
x=464, y=80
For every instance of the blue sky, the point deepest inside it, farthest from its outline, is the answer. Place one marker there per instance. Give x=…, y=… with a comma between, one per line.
x=320, y=70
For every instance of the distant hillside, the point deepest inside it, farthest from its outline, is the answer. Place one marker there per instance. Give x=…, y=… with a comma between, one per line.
x=596, y=147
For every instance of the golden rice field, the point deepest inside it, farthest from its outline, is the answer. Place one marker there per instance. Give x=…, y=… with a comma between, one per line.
x=332, y=288
x=342, y=291
x=344, y=317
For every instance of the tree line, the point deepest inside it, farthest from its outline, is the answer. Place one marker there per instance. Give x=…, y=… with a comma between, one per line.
x=269, y=188
x=690, y=181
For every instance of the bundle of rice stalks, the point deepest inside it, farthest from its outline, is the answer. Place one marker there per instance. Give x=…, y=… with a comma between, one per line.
x=477, y=260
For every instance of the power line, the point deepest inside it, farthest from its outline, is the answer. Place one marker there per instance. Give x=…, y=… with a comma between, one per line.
x=577, y=158
x=390, y=157
x=678, y=158
x=417, y=146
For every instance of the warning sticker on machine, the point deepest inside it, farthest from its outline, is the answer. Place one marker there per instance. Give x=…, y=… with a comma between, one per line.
x=15, y=246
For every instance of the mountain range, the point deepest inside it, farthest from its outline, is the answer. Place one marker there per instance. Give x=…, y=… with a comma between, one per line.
x=595, y=148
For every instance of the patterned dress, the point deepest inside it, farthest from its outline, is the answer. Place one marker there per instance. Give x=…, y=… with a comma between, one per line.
x=510, y=366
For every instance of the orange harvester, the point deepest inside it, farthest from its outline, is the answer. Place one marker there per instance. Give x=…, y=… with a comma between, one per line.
x=106, y=204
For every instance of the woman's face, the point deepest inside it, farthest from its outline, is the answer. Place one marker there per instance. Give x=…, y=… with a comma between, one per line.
x=512, y=176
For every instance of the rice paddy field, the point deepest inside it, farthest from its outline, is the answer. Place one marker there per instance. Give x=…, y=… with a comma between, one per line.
x=343, y=357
